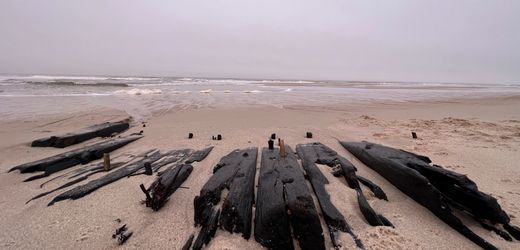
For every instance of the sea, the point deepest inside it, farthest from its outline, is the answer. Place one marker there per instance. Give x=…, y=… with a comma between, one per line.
x=23, y=96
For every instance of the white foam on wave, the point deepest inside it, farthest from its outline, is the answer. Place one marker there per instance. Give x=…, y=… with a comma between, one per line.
x=138, y=92
x=288, y=90
x=252, y=91
x=206, y=91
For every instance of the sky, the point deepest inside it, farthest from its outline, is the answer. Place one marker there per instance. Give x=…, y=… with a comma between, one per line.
x=400, y=40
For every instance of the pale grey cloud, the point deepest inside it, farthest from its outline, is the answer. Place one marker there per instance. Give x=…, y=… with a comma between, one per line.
x=453, y=41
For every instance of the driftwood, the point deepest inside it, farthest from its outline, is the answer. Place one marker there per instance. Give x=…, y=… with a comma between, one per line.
x=281, y=187
x=169, y=181
x=82, y=190
x=317, y=153
x=66, y=160
x=235, y=172
x=100, y=130
x=436, y=188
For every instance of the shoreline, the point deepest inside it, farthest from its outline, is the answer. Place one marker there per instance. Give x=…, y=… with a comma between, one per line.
x=477, y=137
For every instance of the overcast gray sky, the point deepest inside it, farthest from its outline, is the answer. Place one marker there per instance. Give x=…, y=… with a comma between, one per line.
x=442, y=41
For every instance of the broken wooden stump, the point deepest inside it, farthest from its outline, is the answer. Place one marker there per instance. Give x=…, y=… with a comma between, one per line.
x=317, y=153
x=284, y=201
x=100, y=130
x=190, y=135
x=63, y=161
x=219, y=137
x=414, y=135
x=437, y=189
x=236, y=173
x=83, y=190
x=273, y=136
x=308, y=135
x=282, y=149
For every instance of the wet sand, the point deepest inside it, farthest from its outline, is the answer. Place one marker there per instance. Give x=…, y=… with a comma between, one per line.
x=477, y=137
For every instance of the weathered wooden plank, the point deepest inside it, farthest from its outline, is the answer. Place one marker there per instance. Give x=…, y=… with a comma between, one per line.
x=334, y=219
x=376, y=190
x=99, y=130
x=313, y=153
x=83, y=190
x=235, y=172
x=188, y=243
x=65, y=160
x=171, y=179
x=392, y=164
x=209, y=227
x=281, y=187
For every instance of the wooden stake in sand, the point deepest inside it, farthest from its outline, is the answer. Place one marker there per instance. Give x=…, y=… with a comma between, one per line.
x=271, y=144
x=282, y=149
x=106, y=160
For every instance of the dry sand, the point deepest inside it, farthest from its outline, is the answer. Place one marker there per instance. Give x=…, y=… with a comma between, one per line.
x=479, y=137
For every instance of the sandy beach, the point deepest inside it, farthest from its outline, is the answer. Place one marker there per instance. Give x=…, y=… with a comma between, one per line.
x=479, y=137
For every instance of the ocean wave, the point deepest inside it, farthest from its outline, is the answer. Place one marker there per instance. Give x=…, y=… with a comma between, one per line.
x=138, y=92
x=79, y=84
x=206, y=91
x=54, y=95
x=92, y=78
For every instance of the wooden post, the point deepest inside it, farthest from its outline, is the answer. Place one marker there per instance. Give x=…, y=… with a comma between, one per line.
x=106, y=160
x=309, y=135
x=148, y=168
x=273, y=136
x=414, y=135
x=282, y=149
x=271, y=144
x=190, y=135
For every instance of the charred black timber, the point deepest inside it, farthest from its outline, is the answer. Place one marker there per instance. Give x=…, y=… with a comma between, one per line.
x=166, y=184
x=65, y=160
x=83, y=176
x=411, y=174
x=94, y=167
x=376, y=190
x=334, y=219
x=317, y=153
x=170, y=180
x=236, y=173
x=99, y=130
x=281, y=187
x=209, y=227
x=188, y=243
x=83, y=190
